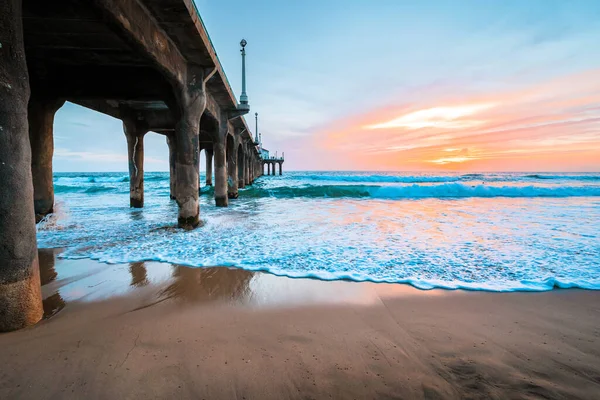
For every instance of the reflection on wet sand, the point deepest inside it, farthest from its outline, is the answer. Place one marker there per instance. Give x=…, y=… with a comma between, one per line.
x=53, y=303
x=197, y=285
x=46, y=259
x=65, y=281
x=139, y=275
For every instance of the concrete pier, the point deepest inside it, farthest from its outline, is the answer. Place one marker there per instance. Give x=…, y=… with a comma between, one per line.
x=272, y=164
x=192, y=102
x=221, y=165
x=247, y=170
x=232, y=181
x=40, y=113
x=240, y=167
x=209, y=166
x=20, y=292
x=135, y=130
x=172, y=165
x=143, y=58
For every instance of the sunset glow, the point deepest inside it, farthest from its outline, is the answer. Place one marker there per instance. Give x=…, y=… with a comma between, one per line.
x=552, y=125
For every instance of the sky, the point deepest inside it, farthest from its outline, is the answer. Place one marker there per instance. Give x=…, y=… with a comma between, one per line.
x=394, y=85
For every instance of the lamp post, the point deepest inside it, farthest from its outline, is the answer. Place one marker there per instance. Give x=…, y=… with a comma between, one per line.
x=256, y=142
x=243, y=96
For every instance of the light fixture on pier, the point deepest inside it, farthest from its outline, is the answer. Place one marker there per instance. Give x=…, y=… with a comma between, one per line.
x=256, y=142
x=243, y=97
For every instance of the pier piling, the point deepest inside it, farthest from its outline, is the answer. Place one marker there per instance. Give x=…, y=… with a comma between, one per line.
x=209, y=166
x=221, y=165
x=20, y=291
x=192, y=102
x=135, y=130
x=232, y=181
x=40, y=115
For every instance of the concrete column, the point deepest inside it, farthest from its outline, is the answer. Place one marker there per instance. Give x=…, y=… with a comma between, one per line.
x=209, y=166
x=20, y=292
x=134, y=132
x=41, y=111
x=191, y=102
x=247, y=169
x=280, y=168
x=221, y=165
x=232, y=179
x=172, y=164
x=240, y=169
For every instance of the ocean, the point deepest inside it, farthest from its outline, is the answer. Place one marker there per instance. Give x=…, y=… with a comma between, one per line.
x=490, y=231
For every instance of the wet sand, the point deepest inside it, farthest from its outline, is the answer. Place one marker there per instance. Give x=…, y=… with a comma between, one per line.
x=150, y=330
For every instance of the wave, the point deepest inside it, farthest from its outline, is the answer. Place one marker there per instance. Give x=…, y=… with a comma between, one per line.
x=108, y=179
x=83, y=189
x=99, y=189
x=446, y=190
x=498, y=177
x=540, y=284
x=526, y=285
x=91, y=179
x=566, y=177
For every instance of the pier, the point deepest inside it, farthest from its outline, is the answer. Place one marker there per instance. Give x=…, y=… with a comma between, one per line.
x=149, y=63
x=272, y=164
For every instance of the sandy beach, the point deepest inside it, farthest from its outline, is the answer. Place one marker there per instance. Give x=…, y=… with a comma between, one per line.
x=150, y=330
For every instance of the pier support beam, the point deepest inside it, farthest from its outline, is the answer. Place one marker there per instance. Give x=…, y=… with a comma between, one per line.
x=41, y=111
x=20, y=291
x=221, y=165
x=280, y=168
x=250, y=175
x=192, y=102
x=240, y=167
x=232, y=181
x=172, y=165
x=209, y=166
x=134, y=132
x=247, y=170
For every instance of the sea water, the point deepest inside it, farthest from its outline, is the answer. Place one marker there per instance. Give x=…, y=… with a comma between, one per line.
x=493, y=231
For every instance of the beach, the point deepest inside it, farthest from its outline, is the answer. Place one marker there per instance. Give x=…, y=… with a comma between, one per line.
x=154, y=330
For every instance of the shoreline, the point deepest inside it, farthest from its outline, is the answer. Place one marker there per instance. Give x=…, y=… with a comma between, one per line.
x=546, y=285
x=220, y=333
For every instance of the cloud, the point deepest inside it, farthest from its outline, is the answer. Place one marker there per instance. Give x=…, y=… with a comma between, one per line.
x=560, y=116
x=436, y=117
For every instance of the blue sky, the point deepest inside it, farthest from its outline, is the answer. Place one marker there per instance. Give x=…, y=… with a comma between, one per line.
x=314, y=65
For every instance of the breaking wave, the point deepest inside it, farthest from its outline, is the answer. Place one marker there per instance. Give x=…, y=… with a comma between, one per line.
x=566, y=177
x=446, y=190
x=84, y=189
x=91, y=179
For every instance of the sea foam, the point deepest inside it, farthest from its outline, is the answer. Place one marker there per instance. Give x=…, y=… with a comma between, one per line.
x=526, y=234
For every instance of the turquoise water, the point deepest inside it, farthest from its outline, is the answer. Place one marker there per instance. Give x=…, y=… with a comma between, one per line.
x=496, y=232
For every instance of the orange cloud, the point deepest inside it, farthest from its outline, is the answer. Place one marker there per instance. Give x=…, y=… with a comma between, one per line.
x=554, y=125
